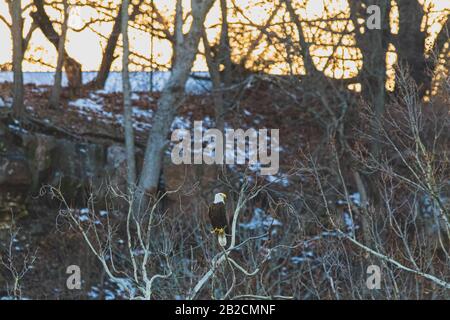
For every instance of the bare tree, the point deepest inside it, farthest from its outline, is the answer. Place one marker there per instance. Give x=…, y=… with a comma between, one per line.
x=71, y=66
x=15, y=8
x=411, y=43
x=218, y=60
x=108, y=54
x=373, y=44
x=17, y=267
x=224, y=53
x=56, y=90
x=127, y=108
x=185, y=50
x=218, y=93
x=134, y=276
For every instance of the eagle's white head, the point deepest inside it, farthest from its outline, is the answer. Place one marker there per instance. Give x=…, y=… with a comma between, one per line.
x=220, y=197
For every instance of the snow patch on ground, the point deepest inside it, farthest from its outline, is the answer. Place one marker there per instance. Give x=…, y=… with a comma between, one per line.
x=280, y=179
x=2, y=103
x=355, y=198
x=305, y=256
x=180, y=123
x=86, y=105
x=93, y=107
x=142, y=113
x=260, y=220
x=16, y=126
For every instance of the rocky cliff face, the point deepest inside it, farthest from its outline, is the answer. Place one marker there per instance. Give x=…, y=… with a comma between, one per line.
x=29, y=161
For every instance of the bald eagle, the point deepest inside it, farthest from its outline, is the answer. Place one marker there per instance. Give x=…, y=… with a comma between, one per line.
x=218, y=215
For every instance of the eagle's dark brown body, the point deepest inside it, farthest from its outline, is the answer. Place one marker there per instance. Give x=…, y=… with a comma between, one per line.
x=218, y=215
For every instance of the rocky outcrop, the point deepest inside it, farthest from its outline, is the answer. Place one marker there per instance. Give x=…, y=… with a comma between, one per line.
x=15, y=178
x=14, y=170
x=116, y=160
x=29, y=161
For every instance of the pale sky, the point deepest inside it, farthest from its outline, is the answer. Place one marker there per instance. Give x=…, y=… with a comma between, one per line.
x=86, y=46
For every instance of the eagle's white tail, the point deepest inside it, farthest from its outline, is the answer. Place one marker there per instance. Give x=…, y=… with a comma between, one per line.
x=222, y=239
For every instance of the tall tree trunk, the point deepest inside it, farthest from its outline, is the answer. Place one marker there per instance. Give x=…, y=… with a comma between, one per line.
x=224, y=47
x=171, y=97
x=108, y=55
x=178, y=29
x=410, y=43
x=128, y=120
x=56, y=90
x=218, y=96
x=15, y=7
x=218, y=93
x=373, y=44
x=72, y=67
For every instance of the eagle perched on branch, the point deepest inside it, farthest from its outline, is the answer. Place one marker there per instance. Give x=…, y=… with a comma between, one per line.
x=218, y=215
